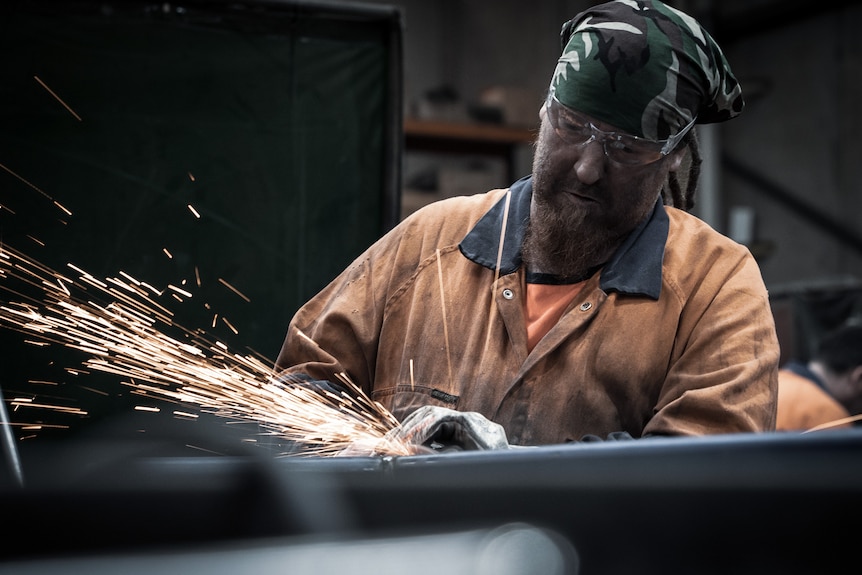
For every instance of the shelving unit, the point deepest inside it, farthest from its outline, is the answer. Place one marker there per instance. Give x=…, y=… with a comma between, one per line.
x=462, y=138
x=460, y=141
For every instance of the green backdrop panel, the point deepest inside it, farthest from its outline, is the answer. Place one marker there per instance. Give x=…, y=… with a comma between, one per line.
x=243, y=153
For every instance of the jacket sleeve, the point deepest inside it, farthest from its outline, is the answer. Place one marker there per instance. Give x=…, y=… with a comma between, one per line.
x=723, y=375
x=333, y=335
x=337, y=332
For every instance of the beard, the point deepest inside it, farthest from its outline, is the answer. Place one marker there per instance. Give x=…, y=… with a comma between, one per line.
x=575, y=227
x=563, y=240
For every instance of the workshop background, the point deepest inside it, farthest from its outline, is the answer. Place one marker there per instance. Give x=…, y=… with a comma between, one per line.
x=302, y=131
x=784, y=178
x=216, y=144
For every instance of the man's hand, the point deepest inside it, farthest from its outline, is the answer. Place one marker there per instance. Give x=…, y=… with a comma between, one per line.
x=441, y=429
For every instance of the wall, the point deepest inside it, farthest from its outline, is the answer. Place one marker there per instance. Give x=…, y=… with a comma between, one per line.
x=800, y=130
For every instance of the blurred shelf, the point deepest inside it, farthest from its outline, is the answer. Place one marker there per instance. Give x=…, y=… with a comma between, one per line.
x=466, y=139
x=473, y=133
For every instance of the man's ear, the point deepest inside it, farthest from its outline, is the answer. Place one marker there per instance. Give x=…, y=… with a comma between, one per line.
x=856, y=377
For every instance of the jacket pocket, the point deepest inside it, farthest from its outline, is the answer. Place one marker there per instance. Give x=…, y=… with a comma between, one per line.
x=402, y=400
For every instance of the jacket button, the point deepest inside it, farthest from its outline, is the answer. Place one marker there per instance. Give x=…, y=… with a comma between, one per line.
x=586, y=306
x=508, y=294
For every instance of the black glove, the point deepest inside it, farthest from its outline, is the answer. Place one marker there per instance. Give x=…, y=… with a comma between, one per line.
x=441, y=429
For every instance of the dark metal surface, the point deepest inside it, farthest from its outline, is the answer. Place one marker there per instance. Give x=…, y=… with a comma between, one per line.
x=769, y=503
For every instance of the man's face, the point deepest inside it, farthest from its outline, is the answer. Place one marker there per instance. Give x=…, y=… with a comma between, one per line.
x=584, y=204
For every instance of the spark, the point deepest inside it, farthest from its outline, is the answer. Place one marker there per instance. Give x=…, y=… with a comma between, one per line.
x=503, y=226
x=62, y=207
x=233, y=289
x=76, y=268
x=306, y=338
x=130, y=278
x=411, y=374
x=167, y=253
x=200, y=448
x=835, y=423
x=50, y=91
x=179, y=291
x=117, y=330
x=194, y=211
x=55, y=202
x=48, y=406
x=443, y=306
x=229, y=325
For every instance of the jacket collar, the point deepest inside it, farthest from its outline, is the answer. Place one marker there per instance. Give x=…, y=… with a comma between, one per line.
x=635, y=268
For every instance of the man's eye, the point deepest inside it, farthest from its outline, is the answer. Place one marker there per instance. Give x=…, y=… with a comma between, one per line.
x=630, y=146
x=620, y=146
x=574, y=127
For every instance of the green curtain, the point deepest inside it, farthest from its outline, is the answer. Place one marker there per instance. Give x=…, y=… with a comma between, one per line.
x=243, y=153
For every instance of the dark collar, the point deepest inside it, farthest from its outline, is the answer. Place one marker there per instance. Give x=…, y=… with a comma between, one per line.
x=635, y=268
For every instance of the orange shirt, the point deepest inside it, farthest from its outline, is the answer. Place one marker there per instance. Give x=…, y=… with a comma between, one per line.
x=544, y=306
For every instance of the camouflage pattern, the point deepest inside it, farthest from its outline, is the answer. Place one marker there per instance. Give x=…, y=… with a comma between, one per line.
x=645, y=68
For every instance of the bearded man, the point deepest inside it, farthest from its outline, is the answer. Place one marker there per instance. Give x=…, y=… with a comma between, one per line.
x=583, y=302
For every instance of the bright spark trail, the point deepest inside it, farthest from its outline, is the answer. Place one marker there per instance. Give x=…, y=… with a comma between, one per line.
x=114, y=323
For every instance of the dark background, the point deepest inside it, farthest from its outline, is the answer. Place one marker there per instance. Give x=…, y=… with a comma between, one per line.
x=275, y=121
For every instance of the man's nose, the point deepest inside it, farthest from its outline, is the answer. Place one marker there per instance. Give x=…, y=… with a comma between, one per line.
x=590, y=164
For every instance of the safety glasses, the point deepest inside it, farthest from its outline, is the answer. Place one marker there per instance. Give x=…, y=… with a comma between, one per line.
x=574, y=128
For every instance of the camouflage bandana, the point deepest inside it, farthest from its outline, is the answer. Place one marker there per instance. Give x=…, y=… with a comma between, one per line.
x=645, y=68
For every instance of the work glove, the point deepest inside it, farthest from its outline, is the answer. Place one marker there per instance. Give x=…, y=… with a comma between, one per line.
x=436, y=429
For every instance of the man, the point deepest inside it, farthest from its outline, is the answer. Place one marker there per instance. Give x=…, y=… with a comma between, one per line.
x=574, y=305
x=825, y=391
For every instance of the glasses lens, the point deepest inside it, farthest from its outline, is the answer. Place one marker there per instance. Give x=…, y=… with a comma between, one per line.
x=631, y=150
x=575, y=129
x=569, y=126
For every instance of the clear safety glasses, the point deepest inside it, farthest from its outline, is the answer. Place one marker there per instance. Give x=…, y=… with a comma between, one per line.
x=573, y=128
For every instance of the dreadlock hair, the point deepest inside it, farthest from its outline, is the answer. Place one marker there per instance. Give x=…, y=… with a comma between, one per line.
x=672, y=192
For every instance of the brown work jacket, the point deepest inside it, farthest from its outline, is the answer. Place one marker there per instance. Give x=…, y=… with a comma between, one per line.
x=674, y=336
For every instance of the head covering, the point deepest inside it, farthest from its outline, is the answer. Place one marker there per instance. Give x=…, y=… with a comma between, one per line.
x=645, y=68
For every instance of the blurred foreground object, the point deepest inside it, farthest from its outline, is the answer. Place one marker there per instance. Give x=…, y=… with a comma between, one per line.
x=744, y=504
